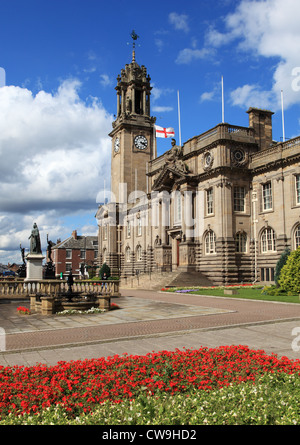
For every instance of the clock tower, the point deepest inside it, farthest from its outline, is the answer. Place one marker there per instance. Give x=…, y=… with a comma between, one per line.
x=133, y=141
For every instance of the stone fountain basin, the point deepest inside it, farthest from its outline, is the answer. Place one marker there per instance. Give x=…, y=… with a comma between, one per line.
x=75, y=305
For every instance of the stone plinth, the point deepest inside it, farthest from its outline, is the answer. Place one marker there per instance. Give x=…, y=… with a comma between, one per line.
x=104, y=302
x=34, y=269
x=48, y=305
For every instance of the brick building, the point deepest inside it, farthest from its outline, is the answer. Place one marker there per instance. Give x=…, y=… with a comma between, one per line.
x=76, y=253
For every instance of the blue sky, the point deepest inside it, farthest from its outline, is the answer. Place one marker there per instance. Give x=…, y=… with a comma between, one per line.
x=61, y=60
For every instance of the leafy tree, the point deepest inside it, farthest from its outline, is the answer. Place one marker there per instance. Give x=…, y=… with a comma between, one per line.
x=289, y=279
x=104, y=269
x=280, y=263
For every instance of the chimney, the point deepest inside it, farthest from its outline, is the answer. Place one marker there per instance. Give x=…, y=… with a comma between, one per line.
x=261, y=122
x=74, y=234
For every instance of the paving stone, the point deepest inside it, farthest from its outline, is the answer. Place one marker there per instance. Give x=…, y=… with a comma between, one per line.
x=149, y=321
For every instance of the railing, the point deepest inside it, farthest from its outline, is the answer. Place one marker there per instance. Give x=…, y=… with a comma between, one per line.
x=275, y=152
x=220, y=132
x=291, y=143
x=55, y=287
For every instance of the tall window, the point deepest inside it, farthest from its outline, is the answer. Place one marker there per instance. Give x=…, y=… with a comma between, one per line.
x=139, y=253
x=68, y=254
x=127, y=254
x=139, y=226
x=209, y=201
x=104, y=255
x=268, y=243
x=241, y=242
x=210, y=243
x=177, y=208
x=297, y=189
x=239, y=199
x=128, y=229
x=297, y=237
x=267, y=196
x=105, y=232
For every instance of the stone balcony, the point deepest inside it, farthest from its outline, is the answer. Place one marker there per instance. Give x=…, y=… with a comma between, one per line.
x=222, y=132
x=282, y=151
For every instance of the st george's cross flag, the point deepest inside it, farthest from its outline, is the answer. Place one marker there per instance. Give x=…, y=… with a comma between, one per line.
x=164, y=132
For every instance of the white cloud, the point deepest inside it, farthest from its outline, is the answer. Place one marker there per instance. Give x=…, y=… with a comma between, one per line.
x=179, y=21
x=105, y=80
x=207, y=96
x=248, y=95
x=157, y=94
x=160, y=109
x=267, y=28
x=54, y=153
x=187, y=55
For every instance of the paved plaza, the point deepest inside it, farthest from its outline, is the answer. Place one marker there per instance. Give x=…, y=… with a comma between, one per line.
x=149, y=321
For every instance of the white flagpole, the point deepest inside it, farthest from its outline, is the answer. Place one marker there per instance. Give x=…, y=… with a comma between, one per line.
x=283, y=130
x=222, y=101
x=154, y=143
x=179, y=119
x=147, y=178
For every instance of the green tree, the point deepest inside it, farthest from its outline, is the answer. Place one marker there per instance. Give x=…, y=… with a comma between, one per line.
x=289, y=279
x=104, y=269
x=280, y=263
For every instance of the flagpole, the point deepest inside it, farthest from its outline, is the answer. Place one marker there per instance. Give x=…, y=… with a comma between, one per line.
x=283, y=131
x=179, y=118
x=222, y=101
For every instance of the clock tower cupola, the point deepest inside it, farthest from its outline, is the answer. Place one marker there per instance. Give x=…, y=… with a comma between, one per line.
x=133, y=142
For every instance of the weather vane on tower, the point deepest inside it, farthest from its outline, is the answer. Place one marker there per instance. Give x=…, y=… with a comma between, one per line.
x=134, y=37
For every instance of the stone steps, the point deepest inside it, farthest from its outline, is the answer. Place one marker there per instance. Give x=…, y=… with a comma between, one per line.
x=155, y=281
x=193, y=279
x=158, y=280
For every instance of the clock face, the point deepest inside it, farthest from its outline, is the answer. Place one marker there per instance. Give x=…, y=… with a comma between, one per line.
x=117, y=145
x=140, y=142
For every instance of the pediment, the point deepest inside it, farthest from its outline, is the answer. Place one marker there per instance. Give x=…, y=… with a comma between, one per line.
x=167, y=177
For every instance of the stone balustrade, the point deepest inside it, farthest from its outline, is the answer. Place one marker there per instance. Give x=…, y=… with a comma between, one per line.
x=55, y=287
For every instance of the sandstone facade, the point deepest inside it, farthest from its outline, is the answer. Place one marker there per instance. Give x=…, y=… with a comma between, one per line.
x=226, y=203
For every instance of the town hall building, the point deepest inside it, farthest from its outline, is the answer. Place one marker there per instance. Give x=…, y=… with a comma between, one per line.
x=224, y=205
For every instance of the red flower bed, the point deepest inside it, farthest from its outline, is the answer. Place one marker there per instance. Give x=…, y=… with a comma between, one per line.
x=80, y=385
x=23, y=310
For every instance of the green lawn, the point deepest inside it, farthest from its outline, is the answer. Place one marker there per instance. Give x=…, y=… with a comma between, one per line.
x=248, y=293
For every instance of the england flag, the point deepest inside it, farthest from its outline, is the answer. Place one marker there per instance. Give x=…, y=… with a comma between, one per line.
x=164, y=132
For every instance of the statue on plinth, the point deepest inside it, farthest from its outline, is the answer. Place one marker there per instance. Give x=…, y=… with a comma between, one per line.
x=49, y=269
x=35, y=241
x=34, y=268
x=22, y=269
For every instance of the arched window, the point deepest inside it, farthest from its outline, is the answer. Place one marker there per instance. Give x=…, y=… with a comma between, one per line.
x=297, y=237
x=268, y=240
x=241, y=242
x=210, y=243
x=139, y=253
x=127, y=254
